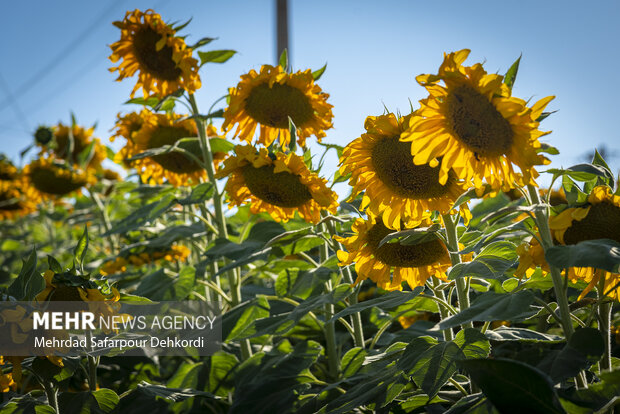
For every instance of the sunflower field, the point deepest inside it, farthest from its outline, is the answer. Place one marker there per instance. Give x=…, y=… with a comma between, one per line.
x=431, y=272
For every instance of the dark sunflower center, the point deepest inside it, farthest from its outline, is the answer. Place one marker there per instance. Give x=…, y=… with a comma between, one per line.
x=65, y=294
x=272, y=106
x=477, y=123
x=158, y=63
x=396, y=254
x=602, y=222
x=174, y=161
x=394, y=165
x=62, y=146
x=6, y=175
x=282, y=189
x=46, y=181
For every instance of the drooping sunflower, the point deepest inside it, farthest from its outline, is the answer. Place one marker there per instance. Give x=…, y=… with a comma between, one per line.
x=120, y=263
x=394, y=187
x=126, y=127
x=392, y=263
x=71, y=142
x=599, y=219
x=54, y=178
x=17, y=199
x=166, y=129
x=150, y=47
x=279, y=184
x=472, y=125
x=269, y=98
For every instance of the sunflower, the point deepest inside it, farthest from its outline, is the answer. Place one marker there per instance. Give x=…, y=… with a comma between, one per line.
x=472, y=125
x=413, y=264
x=270, y=98
x=119, y=264
x=17, y=199
x=149, y=46
x=7, y=383
x=59, y=288
x=394, y=187
x=166, y=129
x=69, y=142
x=54, y=178
x=279, y=184
x=598, y=219
x=127, y=125
x=8, y=172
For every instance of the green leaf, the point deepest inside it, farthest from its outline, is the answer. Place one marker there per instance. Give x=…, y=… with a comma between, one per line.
x=95, y=402
x=491, y=306
x=473, y=404
x=143, y=215
x=387, y=301
x=316, y=75
x=215, y=56
x=473, y=343
x=200, y=193
x=202, y=42
x=221, y=373
x=84, y=157
x=26, y=404
x=547, y=149
x=186, y=376
x=283, y=61
x=504, y=333
x=160, y=285
x=29, y=282
x=514, y=387
x=238, y=322
x=79, y=253
x=171, y=394
x=491, y=263
x=418, y=401
x=150, y=102
x=600, y=254
x=412, y=236
x=9, y=245
x=585, y=347
x=511, y=75
x=598, y=397
x=352, y=361
x=583, y=172
x=220, y=145
x=53, y=264
x=430, y=364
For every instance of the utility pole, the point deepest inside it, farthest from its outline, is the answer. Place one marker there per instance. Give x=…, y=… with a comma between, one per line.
x=282, y=30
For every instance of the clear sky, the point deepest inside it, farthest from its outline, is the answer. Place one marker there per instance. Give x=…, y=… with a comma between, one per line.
x=54, y=58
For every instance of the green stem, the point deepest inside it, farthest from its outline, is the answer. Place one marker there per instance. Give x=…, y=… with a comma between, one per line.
x=604, y=320
x=333, y=359
x=52, y=395
x=462, y=290
x=448, y=334
x=233, y=279
x=542, y=221
x=92, y=364
x=356, y=318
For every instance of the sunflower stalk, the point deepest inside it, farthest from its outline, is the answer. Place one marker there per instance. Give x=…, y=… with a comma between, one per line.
x=52, y=395
x=448, y=334
x=207, y=153
x=542, y=221
x=356, y=318
x=92, y=364
x=604, y=320
x=462, y=290
x=333, y=358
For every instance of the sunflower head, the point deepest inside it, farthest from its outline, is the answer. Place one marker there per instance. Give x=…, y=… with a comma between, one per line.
x=43, y=135
x=150, y=47
x=54, y=178
x=270, y=98
x=177, y=253
x=8, y=171
x=471, y=124
x=389, y=264
x=74, y=144
x=17, y=198
x=598, y=219
x=160, y=130
x=394, y=187
x=279, y=184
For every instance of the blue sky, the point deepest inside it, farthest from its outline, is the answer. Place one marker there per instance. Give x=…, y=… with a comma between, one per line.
x=55, y=58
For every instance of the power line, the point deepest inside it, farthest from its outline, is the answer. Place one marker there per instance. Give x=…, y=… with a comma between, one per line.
x=71, y=47
x=13, y=103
